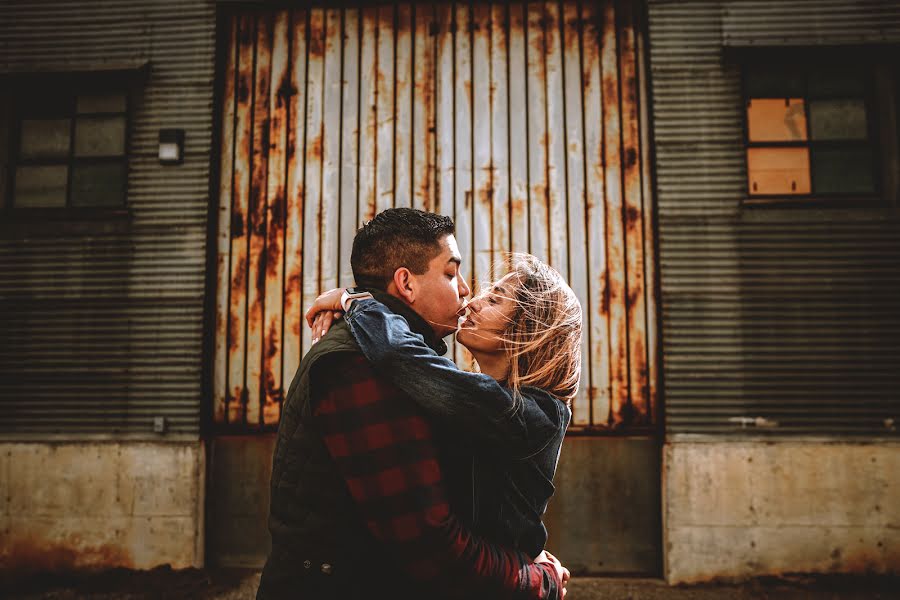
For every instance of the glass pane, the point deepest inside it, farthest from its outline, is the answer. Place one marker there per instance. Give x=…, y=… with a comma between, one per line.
x=837, y=81
x=838, y=120
x=101, y=103
x=776, y=120
x=783, y=171
x=774, y=82
x=98, y=185
x=100, y=136
x=843, y=170
x=45, y=138
x=40, y=186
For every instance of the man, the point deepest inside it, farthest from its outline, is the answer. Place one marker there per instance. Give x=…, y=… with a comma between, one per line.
x=361, y=491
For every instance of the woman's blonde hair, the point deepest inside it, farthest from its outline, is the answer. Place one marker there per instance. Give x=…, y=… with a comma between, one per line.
x=543, y=339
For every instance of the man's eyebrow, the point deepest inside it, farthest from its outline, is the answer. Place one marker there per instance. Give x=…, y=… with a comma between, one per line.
x=500, y=290
x=455, y=259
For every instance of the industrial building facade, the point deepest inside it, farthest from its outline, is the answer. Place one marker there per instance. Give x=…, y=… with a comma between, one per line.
x=717, y=180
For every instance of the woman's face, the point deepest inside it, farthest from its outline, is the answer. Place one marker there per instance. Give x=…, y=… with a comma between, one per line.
x=487, y=318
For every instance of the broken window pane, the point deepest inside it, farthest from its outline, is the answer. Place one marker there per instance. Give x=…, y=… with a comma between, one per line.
x=776, y=120
x=843, y=170
x=838, y=120
x=778, y=171
x=41, y=186
x=45, y=138
x=100, y=136
x=98, y=185
x=101, y=103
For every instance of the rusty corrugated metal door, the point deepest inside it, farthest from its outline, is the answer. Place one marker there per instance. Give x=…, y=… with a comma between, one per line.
x=524, y=122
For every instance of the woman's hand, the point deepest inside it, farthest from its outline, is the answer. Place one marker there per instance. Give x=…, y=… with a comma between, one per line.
x=561, y=571
x=323, y=312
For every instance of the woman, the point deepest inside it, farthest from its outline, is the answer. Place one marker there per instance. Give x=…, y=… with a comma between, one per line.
x=525, y=334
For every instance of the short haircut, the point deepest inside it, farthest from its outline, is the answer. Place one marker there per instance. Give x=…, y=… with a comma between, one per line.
x=395, y=238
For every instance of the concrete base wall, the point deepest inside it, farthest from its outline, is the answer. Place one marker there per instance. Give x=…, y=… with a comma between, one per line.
x=743, y=509
x=82, y=505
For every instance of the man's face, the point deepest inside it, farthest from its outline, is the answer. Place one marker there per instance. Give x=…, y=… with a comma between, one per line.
x=441, y=289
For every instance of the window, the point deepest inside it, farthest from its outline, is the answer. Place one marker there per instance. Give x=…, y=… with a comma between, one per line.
x=810, y=132
x=68, y=149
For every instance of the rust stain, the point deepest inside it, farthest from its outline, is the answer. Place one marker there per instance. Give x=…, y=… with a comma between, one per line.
x=605, y=297
x=237, y=225
x=33, y=556
x=314, y=151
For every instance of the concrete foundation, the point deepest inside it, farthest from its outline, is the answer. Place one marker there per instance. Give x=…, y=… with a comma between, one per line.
x=84, y=505
x=743, y=509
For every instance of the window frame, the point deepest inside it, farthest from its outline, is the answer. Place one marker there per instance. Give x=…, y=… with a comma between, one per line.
x=72, y=85
x=804, y=63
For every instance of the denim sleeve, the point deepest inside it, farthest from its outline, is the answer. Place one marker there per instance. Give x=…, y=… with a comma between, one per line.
x=473, y=403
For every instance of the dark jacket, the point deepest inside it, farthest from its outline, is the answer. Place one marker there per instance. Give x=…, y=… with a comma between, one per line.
x=513, y=443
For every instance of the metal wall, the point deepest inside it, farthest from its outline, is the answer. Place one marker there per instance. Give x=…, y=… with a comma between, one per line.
x=776, y=320
x=526, y=123
x=101, y=318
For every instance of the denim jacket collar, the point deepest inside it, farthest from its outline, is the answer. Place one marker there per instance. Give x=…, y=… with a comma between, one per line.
x=416, y=323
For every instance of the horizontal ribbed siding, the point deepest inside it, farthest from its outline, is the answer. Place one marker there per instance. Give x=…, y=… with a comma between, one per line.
x=102, y=332
x=810, y=22
x=789, y=318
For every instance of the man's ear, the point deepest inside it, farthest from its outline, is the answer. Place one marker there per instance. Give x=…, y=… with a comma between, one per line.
x=405, y=284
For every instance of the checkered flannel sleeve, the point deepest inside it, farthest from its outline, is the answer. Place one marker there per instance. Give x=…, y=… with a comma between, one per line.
x=384, y=449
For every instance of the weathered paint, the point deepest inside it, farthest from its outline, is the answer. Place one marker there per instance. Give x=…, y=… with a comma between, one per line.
x=523, y=122
x=257, y=254
x=275, y=213
x=223, y=237
x=237, y=303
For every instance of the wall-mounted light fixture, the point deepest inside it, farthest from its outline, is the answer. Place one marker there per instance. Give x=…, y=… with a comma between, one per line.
x=171, y=146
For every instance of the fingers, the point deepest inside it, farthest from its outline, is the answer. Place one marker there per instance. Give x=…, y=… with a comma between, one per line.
x=323, y=322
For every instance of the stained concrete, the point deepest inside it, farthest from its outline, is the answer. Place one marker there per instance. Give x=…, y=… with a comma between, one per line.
x=91, y=505
x=745, y=509
x=605, y=515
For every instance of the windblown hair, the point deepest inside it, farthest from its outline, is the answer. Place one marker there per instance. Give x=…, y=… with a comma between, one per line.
x=396, y=237
x=543, y=340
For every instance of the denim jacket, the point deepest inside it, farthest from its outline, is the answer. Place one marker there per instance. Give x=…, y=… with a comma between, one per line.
x=515, y=444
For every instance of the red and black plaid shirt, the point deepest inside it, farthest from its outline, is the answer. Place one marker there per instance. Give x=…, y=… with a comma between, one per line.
x=384, y=449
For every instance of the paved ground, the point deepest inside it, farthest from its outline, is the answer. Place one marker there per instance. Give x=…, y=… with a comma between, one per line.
x=165, y=584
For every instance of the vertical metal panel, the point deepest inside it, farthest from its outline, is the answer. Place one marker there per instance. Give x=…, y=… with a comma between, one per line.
x=368, y=114
x=240, y=221
x=279, y=97
x=293, y=225
x=518, y=129
x=599, y=390
x=101, y=322
x=615, y=250
x=424, y=170
x=776, y=320
x=385, y=117
x=403, y=78
x=257, y=252
x=557, y=219
x=499, y=106
x=223, y=237
x=349, y=143
x=575, y=192
x=482, y=207
x=536, y=99
x=513, y=119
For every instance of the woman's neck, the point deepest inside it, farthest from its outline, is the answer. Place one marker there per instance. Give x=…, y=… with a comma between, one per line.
x=495, y=364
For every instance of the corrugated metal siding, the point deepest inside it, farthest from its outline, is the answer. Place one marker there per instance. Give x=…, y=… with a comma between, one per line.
x=103, y=331
x=770, y=315
x=522, y=121
x=810, y=22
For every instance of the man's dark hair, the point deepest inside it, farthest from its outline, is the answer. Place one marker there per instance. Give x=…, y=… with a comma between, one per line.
x=396, y=237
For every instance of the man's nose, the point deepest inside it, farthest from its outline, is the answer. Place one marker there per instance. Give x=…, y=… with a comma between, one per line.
x=463, y=287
